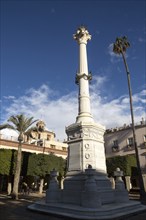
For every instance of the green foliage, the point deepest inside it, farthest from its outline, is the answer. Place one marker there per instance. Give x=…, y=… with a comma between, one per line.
x=32, y=164
x=125, y=163
x=7, y=161
x=121, y=45
x=41, y=164
x=131, y=163
x=114, y=162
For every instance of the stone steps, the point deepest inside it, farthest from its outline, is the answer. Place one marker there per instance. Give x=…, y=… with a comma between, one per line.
x=78, y=212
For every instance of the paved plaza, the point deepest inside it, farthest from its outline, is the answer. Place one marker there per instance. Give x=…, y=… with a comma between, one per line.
x=14, y=210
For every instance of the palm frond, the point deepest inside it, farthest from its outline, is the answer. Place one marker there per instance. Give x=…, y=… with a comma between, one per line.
x=120, y=45
x=14, y=121
x=21, y=122
x=4, y=126
x=29, y=122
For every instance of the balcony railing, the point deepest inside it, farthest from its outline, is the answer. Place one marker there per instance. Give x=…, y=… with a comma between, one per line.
x=115, y=148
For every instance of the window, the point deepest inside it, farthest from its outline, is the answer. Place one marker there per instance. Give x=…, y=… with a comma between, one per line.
x=48, y=137
x=52, y=146
x=130, y=142
x=115, y=143
x=40, y=143
x=115, y=146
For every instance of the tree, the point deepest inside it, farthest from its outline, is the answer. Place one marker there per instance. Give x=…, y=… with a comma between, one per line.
x=125, y=163
x=119, y=47
x=21, y=124
x=41, y=165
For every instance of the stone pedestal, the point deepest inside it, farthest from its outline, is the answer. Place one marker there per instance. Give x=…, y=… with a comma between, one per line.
x=121, y=194
x=86, y=148
x=53, y=193
x=90, y=195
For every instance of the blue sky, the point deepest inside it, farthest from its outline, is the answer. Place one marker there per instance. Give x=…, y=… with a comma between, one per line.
x=39, y=60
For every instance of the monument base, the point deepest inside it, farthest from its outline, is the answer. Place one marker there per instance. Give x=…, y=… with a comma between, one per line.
x=109, y=211
x=88, y=201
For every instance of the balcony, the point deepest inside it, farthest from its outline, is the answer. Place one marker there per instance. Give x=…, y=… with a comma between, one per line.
x=115, y=148
x=130, y=147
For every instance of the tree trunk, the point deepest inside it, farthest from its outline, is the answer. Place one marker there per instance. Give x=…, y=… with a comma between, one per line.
x=41, y=186
x=17, y=173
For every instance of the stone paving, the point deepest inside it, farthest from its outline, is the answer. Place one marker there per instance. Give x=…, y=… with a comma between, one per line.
x=14, y=210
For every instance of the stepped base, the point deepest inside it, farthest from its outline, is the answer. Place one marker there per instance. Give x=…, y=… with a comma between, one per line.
x=107, y=211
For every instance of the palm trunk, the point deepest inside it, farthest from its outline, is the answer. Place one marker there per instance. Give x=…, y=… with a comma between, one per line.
x=141, y=183
x=17, y=173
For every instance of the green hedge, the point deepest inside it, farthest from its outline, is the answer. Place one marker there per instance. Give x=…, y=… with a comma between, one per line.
x=41, y=164
x=7, y=161
x=32, y=164
x=125, y=163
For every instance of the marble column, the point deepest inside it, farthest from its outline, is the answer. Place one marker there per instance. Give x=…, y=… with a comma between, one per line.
x=82, y=77
x=85, y=137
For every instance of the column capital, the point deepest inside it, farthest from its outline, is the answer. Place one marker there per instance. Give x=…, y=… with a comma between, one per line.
x=82, y=35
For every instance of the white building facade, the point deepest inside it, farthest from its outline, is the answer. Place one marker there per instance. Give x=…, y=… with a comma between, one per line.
x=119, y=142
x=40, y=142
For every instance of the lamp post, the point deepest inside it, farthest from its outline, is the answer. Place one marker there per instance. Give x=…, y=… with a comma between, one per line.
x=119, y=47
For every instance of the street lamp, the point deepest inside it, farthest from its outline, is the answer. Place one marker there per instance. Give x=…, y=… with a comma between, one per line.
x=119, y=47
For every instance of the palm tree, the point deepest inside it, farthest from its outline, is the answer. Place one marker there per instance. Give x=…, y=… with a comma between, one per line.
x=21, y=124
x=119, y=47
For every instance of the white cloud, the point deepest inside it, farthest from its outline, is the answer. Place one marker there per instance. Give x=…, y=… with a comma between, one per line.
x=9, y=134
x=9, y=97
x=59, y=112
x=140, y=97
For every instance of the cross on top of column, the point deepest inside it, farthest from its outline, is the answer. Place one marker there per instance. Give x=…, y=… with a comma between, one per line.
x=82, y=35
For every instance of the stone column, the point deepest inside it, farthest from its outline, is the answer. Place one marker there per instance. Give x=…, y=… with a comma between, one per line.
x=85, y=142
x=84, y=113
x=128, y=183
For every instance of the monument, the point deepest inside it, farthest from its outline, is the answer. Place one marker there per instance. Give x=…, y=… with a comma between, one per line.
x=87, y=192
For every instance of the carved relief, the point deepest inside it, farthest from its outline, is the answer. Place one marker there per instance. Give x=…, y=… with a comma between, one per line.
x=74, y=136
x=87, y=146
x=87, y=165
x=82, y=35
x=92, y=133
x=86, y=133
x=87, y=156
